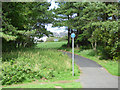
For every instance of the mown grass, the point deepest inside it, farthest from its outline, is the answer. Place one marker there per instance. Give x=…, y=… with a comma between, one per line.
x=49, y=85
x=110, y=65
x=51, y=39
x=40, y=63
x=51, y=45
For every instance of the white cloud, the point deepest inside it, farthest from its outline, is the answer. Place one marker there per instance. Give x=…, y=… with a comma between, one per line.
x=49, y=26
x=53, y=4
x=49, y=0
x=55, y=29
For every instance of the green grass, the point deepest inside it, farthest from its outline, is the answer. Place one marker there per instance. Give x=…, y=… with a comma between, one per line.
x=40, y=63
x=51, y=39
x=51, y=45
x=49, y=85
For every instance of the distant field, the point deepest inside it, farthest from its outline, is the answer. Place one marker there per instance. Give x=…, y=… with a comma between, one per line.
x=51, y=45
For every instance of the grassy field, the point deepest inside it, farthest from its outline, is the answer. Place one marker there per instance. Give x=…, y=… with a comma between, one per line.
x=40, y=63
x=51, y=39
x=51, y=45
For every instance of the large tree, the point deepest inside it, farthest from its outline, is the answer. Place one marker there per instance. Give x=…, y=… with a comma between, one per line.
x=63, y=16
x=24, y=20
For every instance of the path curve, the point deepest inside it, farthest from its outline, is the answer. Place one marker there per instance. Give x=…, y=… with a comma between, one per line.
x=94, y=75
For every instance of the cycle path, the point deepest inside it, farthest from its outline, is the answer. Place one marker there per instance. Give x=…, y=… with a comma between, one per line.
x=94, y=75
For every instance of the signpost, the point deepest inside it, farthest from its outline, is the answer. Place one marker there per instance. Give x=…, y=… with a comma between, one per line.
x=73, y=36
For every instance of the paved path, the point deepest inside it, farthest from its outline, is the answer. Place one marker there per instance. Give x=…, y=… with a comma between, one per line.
x=93, y=75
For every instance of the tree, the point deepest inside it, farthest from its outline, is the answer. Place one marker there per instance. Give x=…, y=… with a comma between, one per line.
x=96, y=24
x=20, y=21
x=63, y=15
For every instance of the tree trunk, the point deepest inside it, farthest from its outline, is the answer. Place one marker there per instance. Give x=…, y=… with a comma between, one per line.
x=77, y=33
x=68, y=44
x=95, y=45
x=76, y=38
x=92, y=45
x=71, y=39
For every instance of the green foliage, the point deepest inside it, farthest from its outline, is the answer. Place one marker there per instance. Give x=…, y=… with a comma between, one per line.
x=93, y=25
x=31, y=64
x=20, y=22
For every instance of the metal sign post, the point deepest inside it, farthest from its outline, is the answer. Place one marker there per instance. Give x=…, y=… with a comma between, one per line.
x=73, y=36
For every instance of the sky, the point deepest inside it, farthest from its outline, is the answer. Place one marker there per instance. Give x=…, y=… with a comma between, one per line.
x=53, y=4
x=55, y=29
x=49, y=26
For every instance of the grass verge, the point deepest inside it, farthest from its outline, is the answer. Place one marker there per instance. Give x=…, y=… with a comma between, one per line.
x=49, y=85
x=110, y=65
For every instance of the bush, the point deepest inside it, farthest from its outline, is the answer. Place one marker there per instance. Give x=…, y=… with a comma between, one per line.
x=85, y=47
x=104, y=52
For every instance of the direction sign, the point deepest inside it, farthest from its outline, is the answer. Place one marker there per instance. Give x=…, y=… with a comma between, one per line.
x=72, y=35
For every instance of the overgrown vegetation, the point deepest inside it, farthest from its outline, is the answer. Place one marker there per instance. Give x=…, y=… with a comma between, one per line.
x=32, y=64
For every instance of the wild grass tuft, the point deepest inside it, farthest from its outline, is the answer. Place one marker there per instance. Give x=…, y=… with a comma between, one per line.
x=31, y=64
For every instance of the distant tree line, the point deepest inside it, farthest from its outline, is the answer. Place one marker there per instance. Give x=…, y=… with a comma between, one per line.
x=94, y=23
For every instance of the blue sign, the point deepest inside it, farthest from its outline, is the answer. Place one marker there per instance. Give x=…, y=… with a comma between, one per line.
x=72, y=35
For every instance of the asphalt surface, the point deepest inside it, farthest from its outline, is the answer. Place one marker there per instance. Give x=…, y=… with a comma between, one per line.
x=93, y=75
